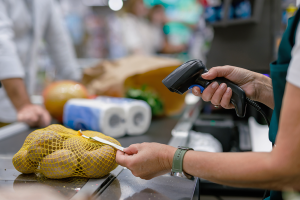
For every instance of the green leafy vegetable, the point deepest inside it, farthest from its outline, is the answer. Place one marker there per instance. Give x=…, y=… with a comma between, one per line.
x=149, y=96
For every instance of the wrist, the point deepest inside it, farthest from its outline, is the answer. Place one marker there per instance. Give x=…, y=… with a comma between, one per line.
x=24, y=105
x=168, y=157
x=16, y=91
x=264, y=90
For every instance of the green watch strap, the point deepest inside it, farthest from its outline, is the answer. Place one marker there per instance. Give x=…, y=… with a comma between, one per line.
x=178, y=160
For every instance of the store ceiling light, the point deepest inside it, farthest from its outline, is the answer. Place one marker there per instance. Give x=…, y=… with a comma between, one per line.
x=115, y=4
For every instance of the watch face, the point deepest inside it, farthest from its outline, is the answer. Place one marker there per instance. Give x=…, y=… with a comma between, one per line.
x=178, y=174
x=182, y=175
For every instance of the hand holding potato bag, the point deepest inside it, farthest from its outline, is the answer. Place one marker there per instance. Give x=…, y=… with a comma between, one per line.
x=58, y=152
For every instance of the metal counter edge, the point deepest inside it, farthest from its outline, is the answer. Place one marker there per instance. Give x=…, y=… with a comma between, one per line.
x=91, y=186
x=13, y=129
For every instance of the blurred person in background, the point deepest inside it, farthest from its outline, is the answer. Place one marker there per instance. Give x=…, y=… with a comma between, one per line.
x=23, y=26
x=74, y=13
x=138, y=34
x=158, y=19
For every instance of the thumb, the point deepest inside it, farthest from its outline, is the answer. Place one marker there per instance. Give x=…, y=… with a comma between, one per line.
x=222, y=71
x=132, y=149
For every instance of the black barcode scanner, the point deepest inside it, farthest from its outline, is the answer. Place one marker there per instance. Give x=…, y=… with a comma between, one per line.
x=189, y=74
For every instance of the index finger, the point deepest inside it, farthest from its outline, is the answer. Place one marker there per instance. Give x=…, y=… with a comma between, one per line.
x=221, y=71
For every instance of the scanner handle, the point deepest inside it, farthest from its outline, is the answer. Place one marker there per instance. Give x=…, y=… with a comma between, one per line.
x=238, y=98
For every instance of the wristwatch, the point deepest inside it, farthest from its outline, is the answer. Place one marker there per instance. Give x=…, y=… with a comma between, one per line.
x=177, y=169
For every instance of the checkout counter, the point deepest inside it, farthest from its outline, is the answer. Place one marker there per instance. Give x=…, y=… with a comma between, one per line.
x=120, y=183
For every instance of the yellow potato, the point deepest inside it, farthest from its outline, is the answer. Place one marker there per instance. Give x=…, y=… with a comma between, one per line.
x=60, y=164
x=31, y=137
x=23, y=164
x=36, y=153
x=98, y=163
x=76, y=144
x=61, y=129
x=49, y=140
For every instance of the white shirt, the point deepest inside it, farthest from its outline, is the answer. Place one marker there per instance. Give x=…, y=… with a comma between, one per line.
x=139, y=35
x=23, y=26
x=293, y=74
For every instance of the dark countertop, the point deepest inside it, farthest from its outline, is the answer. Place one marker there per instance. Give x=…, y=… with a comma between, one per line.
x=159, y=131
x=165, y=187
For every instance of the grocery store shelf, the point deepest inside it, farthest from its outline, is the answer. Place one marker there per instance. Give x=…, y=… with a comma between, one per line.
x=257, y=8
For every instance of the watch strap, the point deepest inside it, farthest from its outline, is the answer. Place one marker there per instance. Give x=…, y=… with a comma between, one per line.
x=178, y=160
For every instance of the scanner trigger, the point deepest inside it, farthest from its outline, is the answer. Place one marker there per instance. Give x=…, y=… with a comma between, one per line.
x=199, y=86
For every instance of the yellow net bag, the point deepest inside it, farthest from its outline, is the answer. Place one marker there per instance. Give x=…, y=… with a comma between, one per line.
x=58, y=152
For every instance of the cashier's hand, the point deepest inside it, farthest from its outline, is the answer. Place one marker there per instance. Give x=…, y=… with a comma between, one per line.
x=147, y=160
x=34, y=115
x=221, y=94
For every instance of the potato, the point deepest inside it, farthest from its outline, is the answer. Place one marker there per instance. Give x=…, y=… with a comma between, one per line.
x=98, y=163
x=61, y=129
x=49, y=140
x=76, y=144
x=44, y=144
x=23, y=164
x=54, y=131
x=60, y=164
x=36, y=153
x=31, y=137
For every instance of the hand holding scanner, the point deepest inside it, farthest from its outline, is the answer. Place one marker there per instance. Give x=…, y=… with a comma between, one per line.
x=189, y=74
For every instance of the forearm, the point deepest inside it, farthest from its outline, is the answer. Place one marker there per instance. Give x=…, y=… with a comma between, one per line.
x=252, y=170
x=16, y=91
x=265, y=90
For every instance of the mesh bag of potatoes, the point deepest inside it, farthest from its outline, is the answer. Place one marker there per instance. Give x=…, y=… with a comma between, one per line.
x=58, y=152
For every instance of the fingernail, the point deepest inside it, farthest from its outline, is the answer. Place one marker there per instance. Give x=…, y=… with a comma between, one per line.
x=214, y=85
x=205, y=74
x=228, y=89
x=222, y=85
x=196, y=93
